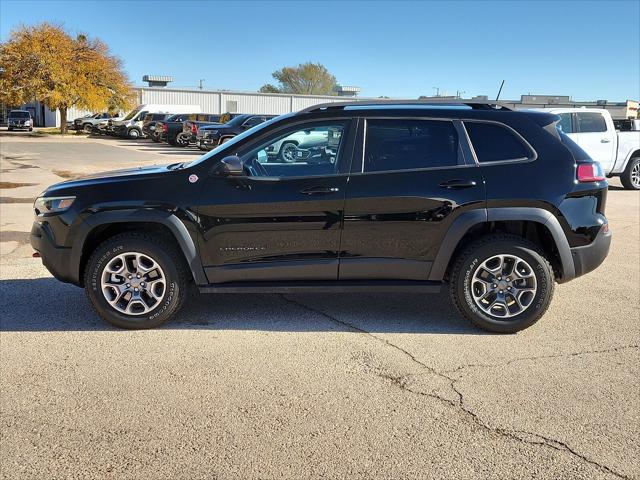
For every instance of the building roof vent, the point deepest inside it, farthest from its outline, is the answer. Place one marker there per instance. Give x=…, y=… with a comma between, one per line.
x=347, y=91
x=157, y=80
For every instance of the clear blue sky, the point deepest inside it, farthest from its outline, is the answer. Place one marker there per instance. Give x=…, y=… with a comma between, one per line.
x=589, y=50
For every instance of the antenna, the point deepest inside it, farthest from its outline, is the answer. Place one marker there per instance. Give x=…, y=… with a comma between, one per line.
x=201, y=80
x=500, y=91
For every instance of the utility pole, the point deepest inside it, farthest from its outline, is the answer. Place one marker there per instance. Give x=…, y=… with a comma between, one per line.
x=459, y=93
x=437, y=89
x=201, y=80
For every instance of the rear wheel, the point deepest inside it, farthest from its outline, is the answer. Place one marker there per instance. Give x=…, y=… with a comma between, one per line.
x=288, y=152
x=182, y=140
x=135, y=280
x=87, y=128
x=630, y=178
x=502, y=283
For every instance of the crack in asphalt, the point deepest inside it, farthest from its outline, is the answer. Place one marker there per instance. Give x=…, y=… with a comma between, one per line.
x=541, y=357
x=401, y=382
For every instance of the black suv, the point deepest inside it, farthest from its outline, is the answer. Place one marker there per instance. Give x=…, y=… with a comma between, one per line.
x=209, y=136
x=496, y=204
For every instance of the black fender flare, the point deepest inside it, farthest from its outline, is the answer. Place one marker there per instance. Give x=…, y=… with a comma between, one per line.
x=168, y=219
x=466, y=220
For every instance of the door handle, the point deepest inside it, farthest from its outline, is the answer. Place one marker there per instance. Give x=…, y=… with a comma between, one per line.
x=319, y=190
x=605, y=140
x=457, y=183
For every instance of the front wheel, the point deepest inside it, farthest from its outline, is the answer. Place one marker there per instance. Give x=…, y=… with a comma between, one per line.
x=288, y=152
x=134, y=134
x=630, y=178
x=136, y=280
x=502, y=283
x=87, y=128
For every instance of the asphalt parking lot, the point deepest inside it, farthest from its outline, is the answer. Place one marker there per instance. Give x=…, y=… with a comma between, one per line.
x=298, y=386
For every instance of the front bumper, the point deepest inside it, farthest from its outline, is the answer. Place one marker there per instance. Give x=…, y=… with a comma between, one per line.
x=589, y=257
x=120, y=130
x=58, y=260
x=206, y=142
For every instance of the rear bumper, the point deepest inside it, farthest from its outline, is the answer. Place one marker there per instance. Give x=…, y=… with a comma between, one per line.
x=58, y=260
x=589, y=257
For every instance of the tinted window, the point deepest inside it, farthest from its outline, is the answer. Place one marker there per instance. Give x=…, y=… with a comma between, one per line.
x=253, y=121
x=397, y=144
x=19, y=115
x=591, y=122
x=565, y=125
x=311, y=150
x=493, y=142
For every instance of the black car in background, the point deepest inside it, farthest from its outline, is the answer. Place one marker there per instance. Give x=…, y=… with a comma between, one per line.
x=209, y=137
x=492, y=205
x=169, y=129
x=149, y=123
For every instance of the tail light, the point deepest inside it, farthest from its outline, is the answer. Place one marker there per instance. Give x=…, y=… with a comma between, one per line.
x=194, y=128
x=590, y=172
x=165, y=128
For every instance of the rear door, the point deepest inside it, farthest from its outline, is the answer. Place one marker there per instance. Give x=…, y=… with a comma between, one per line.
x=595, y=138
x=409, y=181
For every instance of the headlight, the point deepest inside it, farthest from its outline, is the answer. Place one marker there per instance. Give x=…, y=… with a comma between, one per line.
x=52, y=204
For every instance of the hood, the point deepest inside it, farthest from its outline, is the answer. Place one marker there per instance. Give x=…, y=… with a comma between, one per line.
x=112, y=176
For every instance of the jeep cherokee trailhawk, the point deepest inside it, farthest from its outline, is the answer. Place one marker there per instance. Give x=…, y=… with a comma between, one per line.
x=493, y=204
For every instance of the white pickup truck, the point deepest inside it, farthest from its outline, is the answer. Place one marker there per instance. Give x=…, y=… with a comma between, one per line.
x=593, y=129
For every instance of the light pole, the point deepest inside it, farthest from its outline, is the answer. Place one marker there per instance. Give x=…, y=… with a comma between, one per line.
x=437, y=89
x=459, y=93
x=201, y=80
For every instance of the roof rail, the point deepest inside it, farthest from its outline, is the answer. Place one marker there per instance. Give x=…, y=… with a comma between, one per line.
x=474, y=104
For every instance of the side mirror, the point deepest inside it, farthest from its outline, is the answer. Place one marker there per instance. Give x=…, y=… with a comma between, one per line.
x=231, y=166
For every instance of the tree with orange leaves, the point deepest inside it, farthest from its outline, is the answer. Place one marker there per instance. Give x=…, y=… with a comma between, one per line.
x=45, y=63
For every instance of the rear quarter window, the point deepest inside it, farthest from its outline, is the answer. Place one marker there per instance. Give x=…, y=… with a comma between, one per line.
x=590, y=122
x=495, y=143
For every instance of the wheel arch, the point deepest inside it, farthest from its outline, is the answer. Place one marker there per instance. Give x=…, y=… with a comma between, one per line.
x=535, y=224
x=104, y=225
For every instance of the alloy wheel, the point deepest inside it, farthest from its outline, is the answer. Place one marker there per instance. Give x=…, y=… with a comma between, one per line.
x=504, y=286
x=133, y=283
x=635, y=175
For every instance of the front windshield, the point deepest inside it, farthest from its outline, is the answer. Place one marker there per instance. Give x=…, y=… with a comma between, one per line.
x=19, y=114
x=132, y=114
x=237, y=139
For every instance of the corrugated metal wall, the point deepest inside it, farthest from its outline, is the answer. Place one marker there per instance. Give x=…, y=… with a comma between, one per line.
x=220, y=102
x=234, y=102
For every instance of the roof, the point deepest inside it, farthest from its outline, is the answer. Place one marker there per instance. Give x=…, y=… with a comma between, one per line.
x=472, y=104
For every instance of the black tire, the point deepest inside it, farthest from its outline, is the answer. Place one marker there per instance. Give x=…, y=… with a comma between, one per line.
x=87, y=128
x=155, y=137
x=630, y=177
x=134, y=134
x=181, y=141
x=10, y=129
x=465, y=265
x=31, y=129
x=283, y=149
x=164, y=253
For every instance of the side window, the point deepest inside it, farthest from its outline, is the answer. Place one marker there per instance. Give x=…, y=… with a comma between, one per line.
x=312, y=150
x=494, y=143
x=141, y=115
x=589, y=122
x=253, y=121
x=399, y=144
x=565, y=125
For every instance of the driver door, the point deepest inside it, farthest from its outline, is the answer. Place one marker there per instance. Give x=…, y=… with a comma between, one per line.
x=283, y=220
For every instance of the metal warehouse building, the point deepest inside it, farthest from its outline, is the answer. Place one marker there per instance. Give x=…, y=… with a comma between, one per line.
x=210, y=101
x=221, y=101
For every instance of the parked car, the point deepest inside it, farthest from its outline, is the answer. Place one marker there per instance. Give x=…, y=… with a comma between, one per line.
x=173, y=128
x=149, y=123
x=594, y=131
x=627, y=124
x=209, y=137
x=190, y=127
x=131, y=125
x=298, y=146
x=86, y=124
x=19, y=120
x=491, y=204
x=169, y=128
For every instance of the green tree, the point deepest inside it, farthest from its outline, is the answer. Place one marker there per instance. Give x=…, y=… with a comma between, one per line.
x=306, y=78
x=45, y=63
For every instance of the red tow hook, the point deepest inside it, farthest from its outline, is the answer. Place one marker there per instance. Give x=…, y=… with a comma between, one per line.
x=35, y=254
